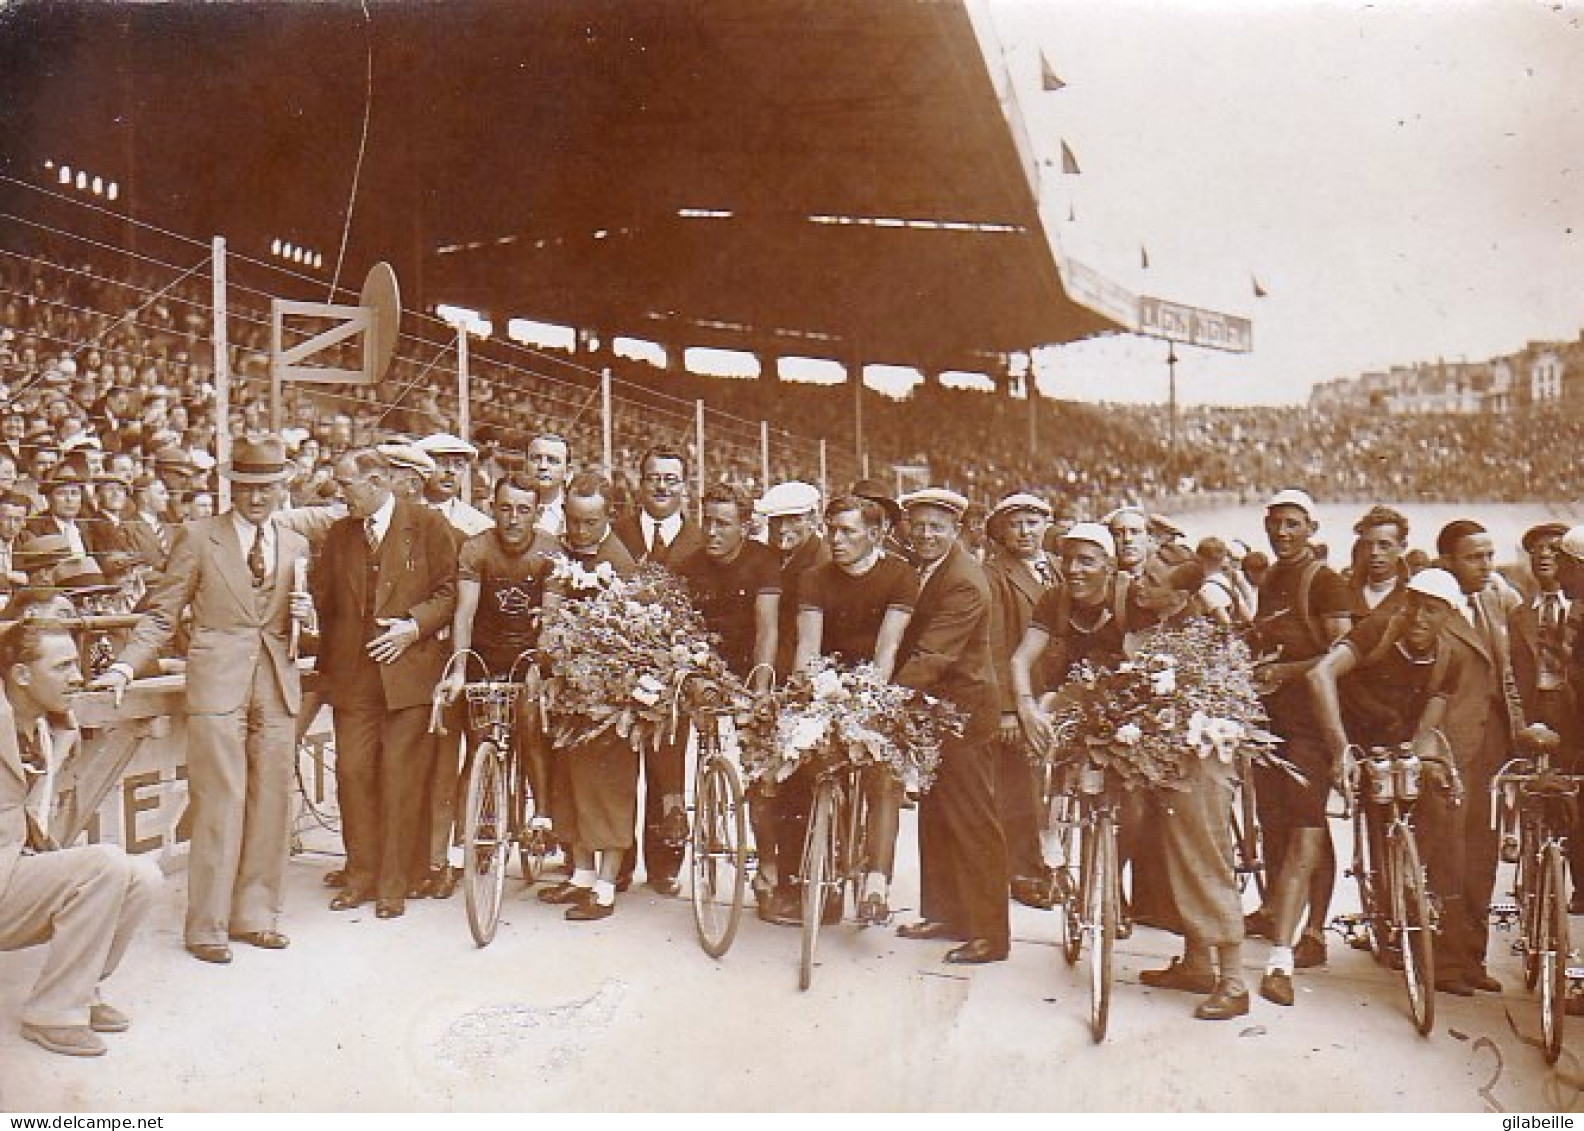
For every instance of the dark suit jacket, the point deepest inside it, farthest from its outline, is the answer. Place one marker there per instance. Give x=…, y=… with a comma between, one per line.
x=231, y=626
x=139, y=538
x=98, y=536
x=1483, y=710
x=946, y=648
x=1014, y=591
x=417, y=579
x=1524, y=629
x=629, y=530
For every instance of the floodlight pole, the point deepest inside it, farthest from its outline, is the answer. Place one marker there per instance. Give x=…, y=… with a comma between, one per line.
x=607, y=431
x=464, y=407
x=222, y=373
x=698, y=426
x=1171, y=371
x=824, y=480
x=764, y=456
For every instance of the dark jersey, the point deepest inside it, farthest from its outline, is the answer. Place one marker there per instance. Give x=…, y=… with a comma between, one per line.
x=854, y=607
x=727, y=594
x=511, y=590
x=1386, y=693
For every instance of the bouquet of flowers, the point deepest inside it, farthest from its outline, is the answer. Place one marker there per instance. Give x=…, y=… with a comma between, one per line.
x=846, y=714
x=620, y=652
x=1187, y=693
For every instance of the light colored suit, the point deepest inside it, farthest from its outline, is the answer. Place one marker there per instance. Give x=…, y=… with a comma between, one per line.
x=85, y=902
x=243, y=694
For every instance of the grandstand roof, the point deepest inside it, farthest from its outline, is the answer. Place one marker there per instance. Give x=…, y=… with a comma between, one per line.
x=536, y=159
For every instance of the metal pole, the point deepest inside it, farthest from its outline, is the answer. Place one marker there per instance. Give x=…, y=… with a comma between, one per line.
x=1171, y=369
x=607, y=430
x=764, y=455
x=222, y=372
x=1031, y=390
x=824, y=482
x=698, y=428
x=858, y=387
x=464, y=406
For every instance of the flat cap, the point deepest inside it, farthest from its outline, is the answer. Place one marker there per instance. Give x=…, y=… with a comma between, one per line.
x=792, y=497
x=1022, y=501
x=1544, y=530
x=445, y=444
x=1292, y=497
x=409, y=456
x=1093, y=533
x=935, y=497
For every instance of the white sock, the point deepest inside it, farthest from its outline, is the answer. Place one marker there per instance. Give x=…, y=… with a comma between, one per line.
x=584, y=877
x=875, y=884
x=1281, y=960
x=604, y=892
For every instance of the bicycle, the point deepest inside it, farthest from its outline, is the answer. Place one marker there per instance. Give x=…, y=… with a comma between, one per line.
x=1546, y=801
x=834, y=851
x=498, y=806
x=1248, y=841
x=1396, y=916
x=718, y=842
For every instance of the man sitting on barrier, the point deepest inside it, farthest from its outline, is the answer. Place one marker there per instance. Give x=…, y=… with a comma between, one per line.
x=85, y=902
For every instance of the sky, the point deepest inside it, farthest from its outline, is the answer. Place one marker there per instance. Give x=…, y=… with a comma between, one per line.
x=1403, y=179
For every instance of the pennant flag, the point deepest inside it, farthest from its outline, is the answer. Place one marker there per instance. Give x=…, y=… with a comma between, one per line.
x=1069, y=162
x=1144, y=257
x=1259, y=291
x=1049, y=80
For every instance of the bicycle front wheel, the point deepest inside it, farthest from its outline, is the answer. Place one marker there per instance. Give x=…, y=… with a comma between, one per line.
x=1248, y=844
x=1077, y=846
x=1411, y=917
x=486, y=837
x=819, y=863
x=1553, y=951
x=719, y=857
x=1526, y=888
x=1102, y=910
x=1366, y=873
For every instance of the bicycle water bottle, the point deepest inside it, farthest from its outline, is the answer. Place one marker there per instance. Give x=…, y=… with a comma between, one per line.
x=1407, y=769
x=1382, y=789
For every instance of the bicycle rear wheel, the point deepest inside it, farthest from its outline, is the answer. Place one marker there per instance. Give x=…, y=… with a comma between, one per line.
x=1526, y=888
x=486, y=837
x=1102, y=910
x=719, y=857
x=1553, y=951
x=1247, y=841
x=1078, y=845
x=819, y=863
x=1411, y=917
x=1366, y=873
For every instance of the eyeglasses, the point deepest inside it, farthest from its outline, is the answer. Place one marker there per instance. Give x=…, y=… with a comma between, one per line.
x=664, y=480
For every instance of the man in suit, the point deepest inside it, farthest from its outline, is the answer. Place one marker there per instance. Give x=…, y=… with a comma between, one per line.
x=549, y=462
x=237, y=575
x=147, y=533
x=85, y=902
x=1018, y=570
x=384, y=588
x=1482, y=717
x=66, y=510
x=662, y=533
x=453, y=465
x=946, y=652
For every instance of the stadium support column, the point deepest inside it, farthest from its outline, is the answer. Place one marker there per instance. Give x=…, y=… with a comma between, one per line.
x=855, y=371
x=1171, y=395
x=222, y=371
x=768, y=370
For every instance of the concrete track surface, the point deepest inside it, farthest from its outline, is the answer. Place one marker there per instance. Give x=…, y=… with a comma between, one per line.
x=629, y=1014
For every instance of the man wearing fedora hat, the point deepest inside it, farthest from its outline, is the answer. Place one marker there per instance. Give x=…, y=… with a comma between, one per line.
x=237, y=573
x=66, y=511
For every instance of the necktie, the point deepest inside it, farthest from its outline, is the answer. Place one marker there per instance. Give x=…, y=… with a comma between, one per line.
x=370, y=534
x=1043, y=571
x=1551, y=612
x=255, y=558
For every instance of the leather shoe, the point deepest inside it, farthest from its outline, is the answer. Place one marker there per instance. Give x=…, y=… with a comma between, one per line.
x=393, y=908
x=68, y=1040
x=106, y=1018
x=443, y=881
x=217, y=953
x=348, y=898
x=1179, y=977
x=335, y=878
x=976, y=951
x=1483, y=982
x=1032, y=891
x=417, y=889
x=590, y=910
x=1455, y=985
x=264, y=940
x=1226, y=1001
x=928, y=930
x=665, y=885
x=1258, y=925
x=785, y=909
x=565, y=892
x=872, y=911
x=1309, y=952
x=1276, y=986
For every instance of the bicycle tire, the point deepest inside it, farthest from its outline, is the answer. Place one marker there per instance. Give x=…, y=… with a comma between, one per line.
x=1077, y=844
x=1102, y=904
x=719, y=852
x=533, y=845
x=1248, y=840
x=485, y=842
x=819, y=858
x=1526, y=889
x=1366, y=876
x=1411, y=914
x=1553, y=950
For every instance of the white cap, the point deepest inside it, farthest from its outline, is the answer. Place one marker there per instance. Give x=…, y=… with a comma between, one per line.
x=1292, y=497
x=445, y=444
x=1573, y=542
x=1438, y=583
x=942, y=497
x=793, y=497
x=1094, y=533
x=1021, y=501
x=409, y=456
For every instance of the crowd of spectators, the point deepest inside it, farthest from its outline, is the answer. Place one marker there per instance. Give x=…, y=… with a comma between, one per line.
x=119, y=358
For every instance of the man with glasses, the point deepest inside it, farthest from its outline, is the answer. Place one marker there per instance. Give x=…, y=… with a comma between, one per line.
x=453, y=460
x=234, y=574
x=661, y=532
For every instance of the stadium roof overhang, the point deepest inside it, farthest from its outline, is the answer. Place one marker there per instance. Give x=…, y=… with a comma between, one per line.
x=830, y=180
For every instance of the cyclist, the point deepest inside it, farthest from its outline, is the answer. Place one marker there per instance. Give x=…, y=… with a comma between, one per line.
x=1386, y=683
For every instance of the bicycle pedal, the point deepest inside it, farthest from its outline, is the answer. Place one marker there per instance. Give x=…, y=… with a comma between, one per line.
x=1574, y=973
